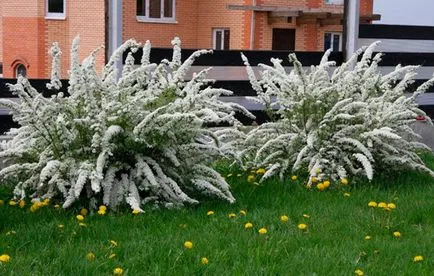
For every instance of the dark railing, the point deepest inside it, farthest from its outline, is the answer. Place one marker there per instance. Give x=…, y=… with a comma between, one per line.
x=233, y=57
x=379, y=31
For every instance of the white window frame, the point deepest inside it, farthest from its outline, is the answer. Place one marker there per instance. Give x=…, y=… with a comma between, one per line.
x=55, y=15
x=332, y=38
x=214, y=37
x=162, y=19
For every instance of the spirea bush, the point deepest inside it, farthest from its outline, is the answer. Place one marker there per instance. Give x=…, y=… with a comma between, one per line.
x=350, y=121
x=137, y=138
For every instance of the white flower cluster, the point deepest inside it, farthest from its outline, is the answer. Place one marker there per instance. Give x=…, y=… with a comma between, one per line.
x=335, y=123
x=136, y=138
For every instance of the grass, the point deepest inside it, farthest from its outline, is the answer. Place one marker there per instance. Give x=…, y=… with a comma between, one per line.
x=152, y=243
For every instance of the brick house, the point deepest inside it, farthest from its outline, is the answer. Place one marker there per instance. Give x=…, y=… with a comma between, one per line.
x=28, y=27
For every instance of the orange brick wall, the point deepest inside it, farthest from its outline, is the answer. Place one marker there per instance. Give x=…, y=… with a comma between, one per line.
x=214, y=14
x=264, y=30
x=197, y=18
x=83, y=18
x=161, y=34
x=23, y=37
x=1, y=31
x=28, y=35
x=366, y=7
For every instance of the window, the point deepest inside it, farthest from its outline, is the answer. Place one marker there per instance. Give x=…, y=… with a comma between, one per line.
x=221, y=39
x=334, y=2
x=156, y=10
x=333, y=41
x=20, y=70
x=55, y=9
x=283, y=39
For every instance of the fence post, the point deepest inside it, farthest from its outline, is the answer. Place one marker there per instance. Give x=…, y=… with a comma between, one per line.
x=351, y=27
x=115, y=28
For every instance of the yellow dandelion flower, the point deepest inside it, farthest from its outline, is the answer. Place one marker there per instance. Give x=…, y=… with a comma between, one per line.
x=368, y=238
x=294, y=177
x=12, y=203
x=314, y=180
x=344, y=181
x=111, y=256
x=90, y=256
x=232, y=215
x=397, y=234
x=35, y=206
x=250, y=178
x=391, y=206
x=248, y=225
x=346, y=194
x=101, y=212
x=46, y=202
x=21, y=204
x=243, y=212
x=188, y=244
x=4, y=258
x=84, y=211
x=382, y=205
x=359, y=272
x=302, y=226
x=204, y=260
x=260, y=171
x=81, y=224
x=80, y=217
x=210, y=213
x=135, y=212
x=262, y=231
x=102, y=207
x=320, y=187
x=418, y=258
x=306, y=215
x=284, y=218
x=372, y=204
x=113, y=243
x=326, y=184
x=118, y=271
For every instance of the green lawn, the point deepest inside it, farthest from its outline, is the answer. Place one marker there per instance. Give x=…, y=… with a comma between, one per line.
x=152, y=243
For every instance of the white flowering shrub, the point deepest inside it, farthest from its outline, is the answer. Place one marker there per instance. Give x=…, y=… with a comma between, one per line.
x=335, y=123
x=139, y=138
